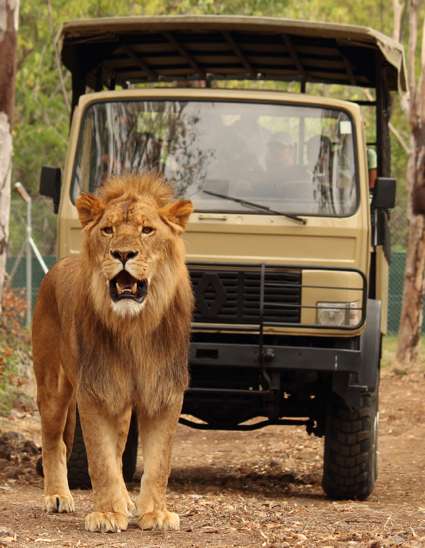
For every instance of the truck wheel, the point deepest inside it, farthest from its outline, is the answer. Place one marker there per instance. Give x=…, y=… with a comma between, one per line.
x=350, y=456
x=78, y=474
x=129, y=457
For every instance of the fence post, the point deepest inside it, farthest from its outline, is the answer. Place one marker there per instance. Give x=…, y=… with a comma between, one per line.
x=29, y=261
x=20, y=189
x=29, y=247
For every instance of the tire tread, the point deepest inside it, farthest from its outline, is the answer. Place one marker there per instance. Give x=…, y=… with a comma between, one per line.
x=349, y=466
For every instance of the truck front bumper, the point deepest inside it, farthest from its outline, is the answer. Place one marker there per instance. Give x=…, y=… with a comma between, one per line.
x=272, y=357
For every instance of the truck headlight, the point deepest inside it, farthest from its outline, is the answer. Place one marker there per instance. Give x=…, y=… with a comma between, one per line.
x=339, y=314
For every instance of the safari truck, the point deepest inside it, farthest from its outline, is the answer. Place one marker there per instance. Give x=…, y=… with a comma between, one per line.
x=288, y=247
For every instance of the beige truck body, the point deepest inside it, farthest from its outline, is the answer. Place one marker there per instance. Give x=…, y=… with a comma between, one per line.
x=253, y=238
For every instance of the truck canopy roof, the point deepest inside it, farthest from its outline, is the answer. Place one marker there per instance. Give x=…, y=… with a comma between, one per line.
x=108, y=51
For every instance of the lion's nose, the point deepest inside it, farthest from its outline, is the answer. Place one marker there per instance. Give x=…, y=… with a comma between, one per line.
x=124, y=256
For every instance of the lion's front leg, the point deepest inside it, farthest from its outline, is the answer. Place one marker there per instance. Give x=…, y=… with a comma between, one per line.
x=157, y=436
x=105, y=435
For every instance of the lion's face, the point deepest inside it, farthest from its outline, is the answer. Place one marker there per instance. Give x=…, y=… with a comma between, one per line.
x=128, y=240
x=129, y=237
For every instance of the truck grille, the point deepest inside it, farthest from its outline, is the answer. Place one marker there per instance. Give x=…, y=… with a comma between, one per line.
x=232, y=295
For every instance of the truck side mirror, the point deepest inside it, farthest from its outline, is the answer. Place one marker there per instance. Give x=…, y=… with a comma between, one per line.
x=50, y=184
x=384, y=193
x=418, y=200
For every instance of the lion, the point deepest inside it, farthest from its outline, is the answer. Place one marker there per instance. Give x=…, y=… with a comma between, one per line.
x=111, y=331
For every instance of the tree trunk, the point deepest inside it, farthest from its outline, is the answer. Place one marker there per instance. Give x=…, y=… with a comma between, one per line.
x=411, y=314
x=414, y=277
x=9, y=10
x=414, y=106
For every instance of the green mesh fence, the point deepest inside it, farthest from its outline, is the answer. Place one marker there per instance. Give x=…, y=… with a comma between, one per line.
x=398, y=260
x=19, y=278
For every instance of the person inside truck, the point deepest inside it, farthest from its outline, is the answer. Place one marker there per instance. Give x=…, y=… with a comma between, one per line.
x=372, y=166
x=283, y=173
x=248, y=128
x=280, y=153
x=229, y=142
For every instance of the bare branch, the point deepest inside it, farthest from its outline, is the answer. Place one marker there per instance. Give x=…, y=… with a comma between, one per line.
x=401, y=140
x=398, y=8
x=57, y=60
x=411, y=53
x=421, y=86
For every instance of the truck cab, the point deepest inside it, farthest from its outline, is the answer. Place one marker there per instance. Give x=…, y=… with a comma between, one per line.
x=287, y=248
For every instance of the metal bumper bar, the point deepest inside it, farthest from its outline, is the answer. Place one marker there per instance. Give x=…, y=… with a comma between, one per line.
x=274, y=357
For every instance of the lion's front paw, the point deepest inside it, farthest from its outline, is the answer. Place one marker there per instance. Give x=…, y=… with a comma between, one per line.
x=59, y=503
x=106, y=522
x=160, y=520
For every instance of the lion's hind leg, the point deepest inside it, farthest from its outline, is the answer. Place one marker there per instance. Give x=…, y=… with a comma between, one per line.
x=157, y=436
x=53, y=412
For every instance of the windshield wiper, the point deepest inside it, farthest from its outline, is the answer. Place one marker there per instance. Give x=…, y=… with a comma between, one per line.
x=257, y=206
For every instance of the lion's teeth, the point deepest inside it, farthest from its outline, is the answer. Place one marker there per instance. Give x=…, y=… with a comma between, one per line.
x=126, y=288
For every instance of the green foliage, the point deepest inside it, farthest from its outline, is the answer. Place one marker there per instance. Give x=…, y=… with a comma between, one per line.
x=42, y=92
x=14, y=349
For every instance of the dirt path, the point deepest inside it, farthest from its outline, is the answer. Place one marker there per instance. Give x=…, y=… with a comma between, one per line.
x=254, y=489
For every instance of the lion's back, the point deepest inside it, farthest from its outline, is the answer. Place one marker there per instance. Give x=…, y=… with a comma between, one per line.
x=58, y=284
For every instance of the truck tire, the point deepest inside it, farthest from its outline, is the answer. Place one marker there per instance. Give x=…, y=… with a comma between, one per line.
x=350, y=454
x=129, y=457
x=78, y=474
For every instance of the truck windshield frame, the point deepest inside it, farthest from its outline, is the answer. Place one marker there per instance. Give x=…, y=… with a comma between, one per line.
x=298, y=158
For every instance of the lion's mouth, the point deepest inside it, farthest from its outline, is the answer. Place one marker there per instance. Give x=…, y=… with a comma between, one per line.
x=125, y=286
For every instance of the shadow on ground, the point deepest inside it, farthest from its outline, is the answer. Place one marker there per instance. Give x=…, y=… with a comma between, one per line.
x=202, y=479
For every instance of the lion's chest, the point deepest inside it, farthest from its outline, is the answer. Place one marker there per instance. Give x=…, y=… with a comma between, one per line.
x=136, y=373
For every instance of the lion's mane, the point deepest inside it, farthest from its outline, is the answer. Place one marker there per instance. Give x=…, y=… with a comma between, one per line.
x=151, y=347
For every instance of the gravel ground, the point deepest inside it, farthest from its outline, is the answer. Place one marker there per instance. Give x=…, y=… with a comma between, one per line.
x=258, y=488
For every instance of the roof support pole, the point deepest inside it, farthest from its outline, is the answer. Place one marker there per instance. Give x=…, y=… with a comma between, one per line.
x=78, y=88
x=99, y=78
x=383, y=113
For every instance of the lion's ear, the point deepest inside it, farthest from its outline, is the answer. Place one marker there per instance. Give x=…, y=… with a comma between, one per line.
x=177, y=214
x=89, y=208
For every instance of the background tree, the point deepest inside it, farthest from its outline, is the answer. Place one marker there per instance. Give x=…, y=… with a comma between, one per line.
x=9, y=10
x=42, y=94
x=414, y=107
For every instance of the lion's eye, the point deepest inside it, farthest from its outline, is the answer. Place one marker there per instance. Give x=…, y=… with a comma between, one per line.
x=107, y=230
x=147, y=230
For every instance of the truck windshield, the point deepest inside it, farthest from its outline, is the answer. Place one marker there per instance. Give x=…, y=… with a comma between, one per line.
x=295, y=159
